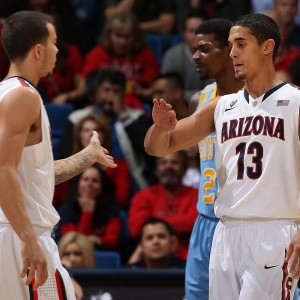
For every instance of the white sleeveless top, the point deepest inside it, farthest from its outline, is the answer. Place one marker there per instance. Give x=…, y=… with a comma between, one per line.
x=36, y=168
x=258, y=154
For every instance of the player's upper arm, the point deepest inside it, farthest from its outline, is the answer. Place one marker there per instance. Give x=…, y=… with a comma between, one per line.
x=196, y=127
x=19, y=111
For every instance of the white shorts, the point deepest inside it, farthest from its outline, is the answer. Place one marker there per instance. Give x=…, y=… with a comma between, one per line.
x=248, y=261
x=58, y=285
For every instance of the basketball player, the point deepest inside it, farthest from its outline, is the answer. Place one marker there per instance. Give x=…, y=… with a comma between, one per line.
x=30, y=264
x=211, y=55
x=257, y=160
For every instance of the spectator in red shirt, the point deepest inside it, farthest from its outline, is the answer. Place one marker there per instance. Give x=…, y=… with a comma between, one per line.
x=169, y=200
x=123, y=47
x=91, y=210
x=119, y=175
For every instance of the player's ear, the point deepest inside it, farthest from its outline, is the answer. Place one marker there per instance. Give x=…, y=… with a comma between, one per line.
x=37, y=51
x=268, y=46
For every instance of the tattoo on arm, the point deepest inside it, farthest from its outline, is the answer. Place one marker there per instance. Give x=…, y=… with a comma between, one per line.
x=71, y=166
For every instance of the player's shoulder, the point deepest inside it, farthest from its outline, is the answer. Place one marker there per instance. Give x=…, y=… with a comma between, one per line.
x=209, y=88
x=287, y=93
x=234, y=97
x=23, y=95
x=291, y=89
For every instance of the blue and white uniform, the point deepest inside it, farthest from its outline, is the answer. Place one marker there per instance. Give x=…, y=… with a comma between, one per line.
x=196, y=285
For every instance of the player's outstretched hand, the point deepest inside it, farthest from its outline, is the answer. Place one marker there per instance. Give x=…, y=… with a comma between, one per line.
x=293, y=256
x=163, y=115
x=34, y=264
x=100, y=153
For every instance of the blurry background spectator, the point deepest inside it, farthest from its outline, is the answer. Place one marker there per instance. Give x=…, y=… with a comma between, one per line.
x=158, y=243
x=120, y=175
x=284, y=13
x=76, y=251
x=128, y=126
x=154, y=16
x=90, y=15
x=82, y=134
x=228, y=9
x=170, y=87
x=122, y=47
x=179, y=58
x=169, y=200
x=91, y=210
x=294, y=72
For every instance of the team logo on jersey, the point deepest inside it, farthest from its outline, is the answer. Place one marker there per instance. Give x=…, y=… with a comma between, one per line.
x=231, y=105
x=283, y=102
x=253, y=125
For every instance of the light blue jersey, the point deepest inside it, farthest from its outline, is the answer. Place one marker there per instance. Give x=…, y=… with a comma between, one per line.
x=208, y=189
x=196, y=276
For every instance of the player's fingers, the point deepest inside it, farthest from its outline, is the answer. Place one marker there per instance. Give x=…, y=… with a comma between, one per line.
x=174, y=122
x=24, y=269
x=155, y=102
x=168, y=106
x=41, y=275
x=162, y=103
x=30, y=275
x=95, y=133
x=105, y=150
x=109, y=157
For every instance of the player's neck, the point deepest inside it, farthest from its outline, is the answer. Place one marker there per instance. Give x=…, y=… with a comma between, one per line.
x=259, y=86
x=229, y=86
x=23, y=71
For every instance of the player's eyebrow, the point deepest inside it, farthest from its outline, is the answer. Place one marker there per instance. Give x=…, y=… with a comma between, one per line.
x=236, y=39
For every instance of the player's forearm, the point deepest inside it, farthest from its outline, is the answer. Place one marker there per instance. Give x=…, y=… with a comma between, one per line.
x=12, y=204
x=69, y=167
x=157, y=141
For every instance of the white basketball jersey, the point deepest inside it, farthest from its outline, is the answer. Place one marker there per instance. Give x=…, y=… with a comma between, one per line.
x=258, y=154
x=36, y=168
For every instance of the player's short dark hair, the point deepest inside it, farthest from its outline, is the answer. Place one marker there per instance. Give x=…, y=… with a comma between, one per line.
x=262, y=27
x=97, y=77
x=22, y=30
x=173, y=77
x=220, y=28
x=154, y=221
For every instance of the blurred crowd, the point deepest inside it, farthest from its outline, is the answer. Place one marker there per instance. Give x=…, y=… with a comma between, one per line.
x=114, y=57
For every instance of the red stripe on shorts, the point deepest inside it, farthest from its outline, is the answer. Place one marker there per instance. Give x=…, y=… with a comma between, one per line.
x=33, y=294
x=60, y=286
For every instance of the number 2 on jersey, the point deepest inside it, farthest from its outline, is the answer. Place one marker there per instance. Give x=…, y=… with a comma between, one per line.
x=255, y=149
x=210, y=174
